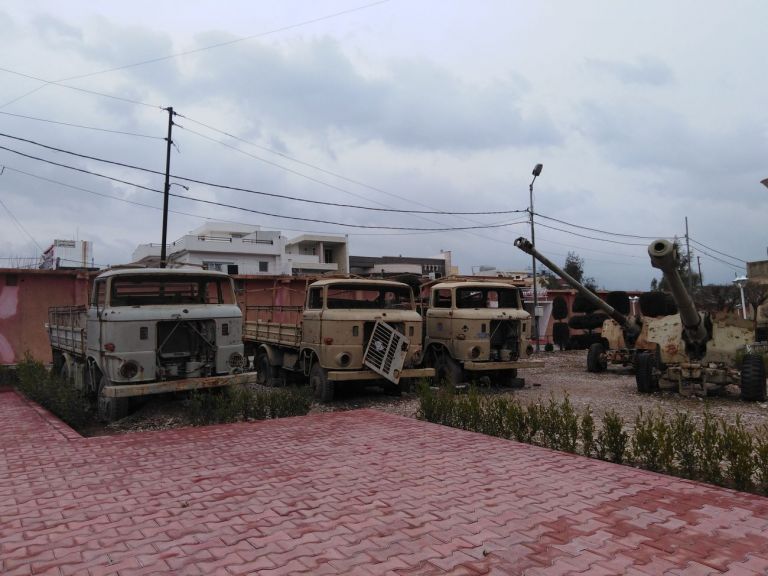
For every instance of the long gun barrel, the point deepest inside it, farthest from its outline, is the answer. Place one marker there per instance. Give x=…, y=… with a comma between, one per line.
x=664, y=257
x=630, y=328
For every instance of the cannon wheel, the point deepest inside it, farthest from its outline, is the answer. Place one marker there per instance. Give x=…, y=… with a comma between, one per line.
x=647, y=381
x=596, y=361
x=321, y=386
x=753, y=378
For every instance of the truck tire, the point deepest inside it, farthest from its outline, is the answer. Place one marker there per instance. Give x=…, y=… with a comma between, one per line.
x=321, y=386
x=753, y=378
x=596, y=361
x=509, y=379
x=645, y=378
x=448, y=371
x=266, y=374
x=110, y=409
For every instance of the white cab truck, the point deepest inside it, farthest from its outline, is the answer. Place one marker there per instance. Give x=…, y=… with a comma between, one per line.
x=477, y=329
x=346, y=329
x=149, y=331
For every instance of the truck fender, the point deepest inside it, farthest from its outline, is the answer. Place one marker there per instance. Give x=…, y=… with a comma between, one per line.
x=431, y=353
x=274, y=354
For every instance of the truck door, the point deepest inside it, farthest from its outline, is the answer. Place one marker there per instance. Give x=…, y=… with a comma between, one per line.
x=312, y=317
x=93, y=317
x=440, y=316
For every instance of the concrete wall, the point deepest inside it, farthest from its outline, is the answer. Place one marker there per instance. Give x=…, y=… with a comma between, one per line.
x=25, y=296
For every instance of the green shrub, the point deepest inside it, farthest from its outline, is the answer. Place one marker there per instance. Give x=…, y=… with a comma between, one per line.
x=761, y=458
x=468, y=413
x=516, y=422
x=494, y=413
x=235, y=403
x=53, y=393
x=612, y=438
x=737, y=447
x=652, y=445
x=710, y=447
x=685, y=444
x=587, y=430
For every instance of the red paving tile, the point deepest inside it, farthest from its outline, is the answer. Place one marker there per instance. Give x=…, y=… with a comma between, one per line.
x=349, y=493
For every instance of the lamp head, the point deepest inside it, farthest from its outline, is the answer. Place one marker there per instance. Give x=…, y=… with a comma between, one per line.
x=538, y=167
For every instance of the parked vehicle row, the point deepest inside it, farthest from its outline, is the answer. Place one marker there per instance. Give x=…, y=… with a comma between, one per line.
x=149, y=331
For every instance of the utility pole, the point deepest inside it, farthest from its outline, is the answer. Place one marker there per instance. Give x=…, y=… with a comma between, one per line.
x=536, y=172
x=701, y=278
x=167, y=188
x=688, y=246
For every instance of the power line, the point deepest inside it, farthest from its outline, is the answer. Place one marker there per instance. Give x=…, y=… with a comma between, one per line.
x=717, y=251
x=590, y=237
x=258, y=192
x=213, y=203
x=84, y=127
x=19, y=224
x=597, y=229
x=175, y=55
x=207, y=218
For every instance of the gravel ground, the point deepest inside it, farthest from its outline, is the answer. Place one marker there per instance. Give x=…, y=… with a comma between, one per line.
x=563, y=372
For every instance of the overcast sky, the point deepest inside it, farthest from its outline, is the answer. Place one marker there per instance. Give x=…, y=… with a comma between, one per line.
x=642, y=113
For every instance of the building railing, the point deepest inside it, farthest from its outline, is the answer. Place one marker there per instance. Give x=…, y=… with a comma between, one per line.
x=229, y=239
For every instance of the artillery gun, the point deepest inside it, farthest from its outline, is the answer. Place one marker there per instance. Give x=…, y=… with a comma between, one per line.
x=620, y=333
x=692, y=351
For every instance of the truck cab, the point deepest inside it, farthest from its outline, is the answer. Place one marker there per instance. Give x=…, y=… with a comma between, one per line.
x=476, y=326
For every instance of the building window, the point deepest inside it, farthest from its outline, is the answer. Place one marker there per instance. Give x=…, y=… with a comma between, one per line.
x=217, y=266
x=263, y=266
x=328, y=255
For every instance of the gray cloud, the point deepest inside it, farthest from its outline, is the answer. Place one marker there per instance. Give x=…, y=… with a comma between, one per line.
x=316, y=88
x=643, y=71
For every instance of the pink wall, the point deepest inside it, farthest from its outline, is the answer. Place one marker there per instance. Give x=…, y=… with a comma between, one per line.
x=25, y=296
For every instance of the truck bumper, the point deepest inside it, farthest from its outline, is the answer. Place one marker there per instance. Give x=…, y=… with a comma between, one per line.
x=144, y=389
x=348, y=375
x=487, y=366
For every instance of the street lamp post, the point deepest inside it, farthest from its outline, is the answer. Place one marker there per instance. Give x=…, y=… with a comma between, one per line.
x=536, y=172
x=740, y=282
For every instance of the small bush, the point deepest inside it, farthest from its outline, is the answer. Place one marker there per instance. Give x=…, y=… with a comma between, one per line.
x=612, y=438
x=516, y=422
x=652, y=446
x=737, y=449
x=53, y=393
x=587, y=430
x=235, y=403
x=761, y=458
x=710, y=450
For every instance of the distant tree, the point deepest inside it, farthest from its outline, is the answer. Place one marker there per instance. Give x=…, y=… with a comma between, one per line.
x=717, y=297
x=756, y=294
x=574, y=266
x=548, y=279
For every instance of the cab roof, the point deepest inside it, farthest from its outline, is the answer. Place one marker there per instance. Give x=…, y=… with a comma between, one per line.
x=359, y=282
x=475, y=284
x=161, y=272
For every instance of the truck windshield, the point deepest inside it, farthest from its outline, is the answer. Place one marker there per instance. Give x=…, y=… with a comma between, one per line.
x=168, y=289
x=486, y=298
x=369, y=297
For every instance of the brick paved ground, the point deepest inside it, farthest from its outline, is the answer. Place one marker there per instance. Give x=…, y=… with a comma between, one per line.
x=349, y=493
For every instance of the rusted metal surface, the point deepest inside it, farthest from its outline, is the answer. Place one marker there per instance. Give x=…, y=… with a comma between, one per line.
x=128, y=390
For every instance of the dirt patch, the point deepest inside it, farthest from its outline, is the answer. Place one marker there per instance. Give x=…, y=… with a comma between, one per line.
x=563, y=373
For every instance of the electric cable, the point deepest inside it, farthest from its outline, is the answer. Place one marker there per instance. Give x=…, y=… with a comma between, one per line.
x=82, y=126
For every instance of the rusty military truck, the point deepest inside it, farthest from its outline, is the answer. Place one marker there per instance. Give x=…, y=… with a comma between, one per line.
x=475, y=329
x=621, y=334
x=149, y=331
x=333, y=330
x=693, y=352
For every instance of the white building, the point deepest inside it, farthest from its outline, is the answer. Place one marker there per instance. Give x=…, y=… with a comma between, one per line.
x=249, y=250
x=67, y=254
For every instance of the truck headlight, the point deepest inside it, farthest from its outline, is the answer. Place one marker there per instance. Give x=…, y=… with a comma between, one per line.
x=128, y=370
x=343, y=359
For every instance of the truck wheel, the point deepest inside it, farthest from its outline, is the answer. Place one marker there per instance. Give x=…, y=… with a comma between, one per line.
x=110, y=409
x=596, y=361
x=321, y=386
x=647, y=381
x=753, y=378
x=448, y=371
x=509, y=378
x=265, y=372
